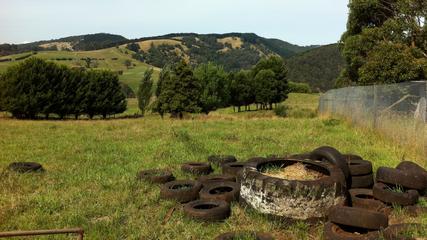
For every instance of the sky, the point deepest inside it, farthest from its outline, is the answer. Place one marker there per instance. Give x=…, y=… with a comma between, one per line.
x=302, y=22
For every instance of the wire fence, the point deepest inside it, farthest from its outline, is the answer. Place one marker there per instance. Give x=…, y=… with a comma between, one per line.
x=396, y=110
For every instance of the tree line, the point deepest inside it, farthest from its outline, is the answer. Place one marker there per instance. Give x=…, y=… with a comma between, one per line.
x=207, y=87
x=37, y=87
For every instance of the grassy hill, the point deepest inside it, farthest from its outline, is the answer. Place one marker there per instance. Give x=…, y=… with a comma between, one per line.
x=318, y=67
x=110, y=58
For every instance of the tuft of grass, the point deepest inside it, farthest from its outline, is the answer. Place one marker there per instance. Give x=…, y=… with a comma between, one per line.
x=281, y=111
x=331, y=122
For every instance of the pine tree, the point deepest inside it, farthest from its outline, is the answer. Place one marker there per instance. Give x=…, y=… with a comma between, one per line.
x=180, y=92
x=241, y=89
x=145, y=90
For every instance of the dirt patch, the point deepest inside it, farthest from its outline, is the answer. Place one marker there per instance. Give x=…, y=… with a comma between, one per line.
x=297, y=171
x=146, y=45
x=59, y=45
x=235, y=42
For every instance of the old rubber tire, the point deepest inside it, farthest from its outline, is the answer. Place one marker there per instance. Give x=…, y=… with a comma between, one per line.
x=303, y=156
x=383, y=193
x=358, y=217
x=296, y=199
x=236, y=235
x=221, y=159
x=415, y=210
x=197, y=168
x=413, y=167
x=359, y=167
x=365, y=181
x=156, y=176
x=364, y=198
x=351, y=157
x=225, y=191
x=207, y=210
x=406, y=179
x=25, y=167
x=333, y=231
x=181, y=190
x=333, y=156
x=205, y=180
x=400, y=231
x=233, y=169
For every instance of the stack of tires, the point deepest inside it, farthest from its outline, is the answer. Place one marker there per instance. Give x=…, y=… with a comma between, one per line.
x=360, y=171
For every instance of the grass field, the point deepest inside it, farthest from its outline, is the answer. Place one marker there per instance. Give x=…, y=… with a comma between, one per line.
x=91, y=167
x=109, y=58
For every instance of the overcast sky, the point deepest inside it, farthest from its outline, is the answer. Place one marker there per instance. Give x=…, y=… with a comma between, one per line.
x=302, y=22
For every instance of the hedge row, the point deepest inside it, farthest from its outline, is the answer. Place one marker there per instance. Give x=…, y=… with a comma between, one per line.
x=36, y=87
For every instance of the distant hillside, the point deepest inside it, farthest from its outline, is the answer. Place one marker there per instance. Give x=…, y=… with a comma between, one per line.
x=232, y=50
x=87, y=42
x=318, y=67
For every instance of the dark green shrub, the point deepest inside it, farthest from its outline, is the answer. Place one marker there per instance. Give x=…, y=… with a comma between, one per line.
x=299, y=87
x=281, y=111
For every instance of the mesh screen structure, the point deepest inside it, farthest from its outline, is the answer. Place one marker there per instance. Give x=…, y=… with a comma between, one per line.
x=396, y=110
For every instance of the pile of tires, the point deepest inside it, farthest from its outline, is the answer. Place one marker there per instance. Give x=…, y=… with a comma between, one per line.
x=371, y=201
x=346, y=195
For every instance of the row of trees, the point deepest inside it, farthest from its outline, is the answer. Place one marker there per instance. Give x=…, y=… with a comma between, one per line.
x=385, y=42
x=37, y=87
x=209, y=87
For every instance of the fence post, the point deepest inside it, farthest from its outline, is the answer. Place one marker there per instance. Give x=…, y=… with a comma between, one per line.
x=375, y=108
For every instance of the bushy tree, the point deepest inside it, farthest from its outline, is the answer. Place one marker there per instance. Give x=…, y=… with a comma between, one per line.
x=179, y=92
x=215, y=87
x=278, y=87
x=390, y=63
x=375, y=26
x=28, y=87
x=127, y=63
x=296, y=87
x=145, y=90
x=264, y=86
x=133, y=47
